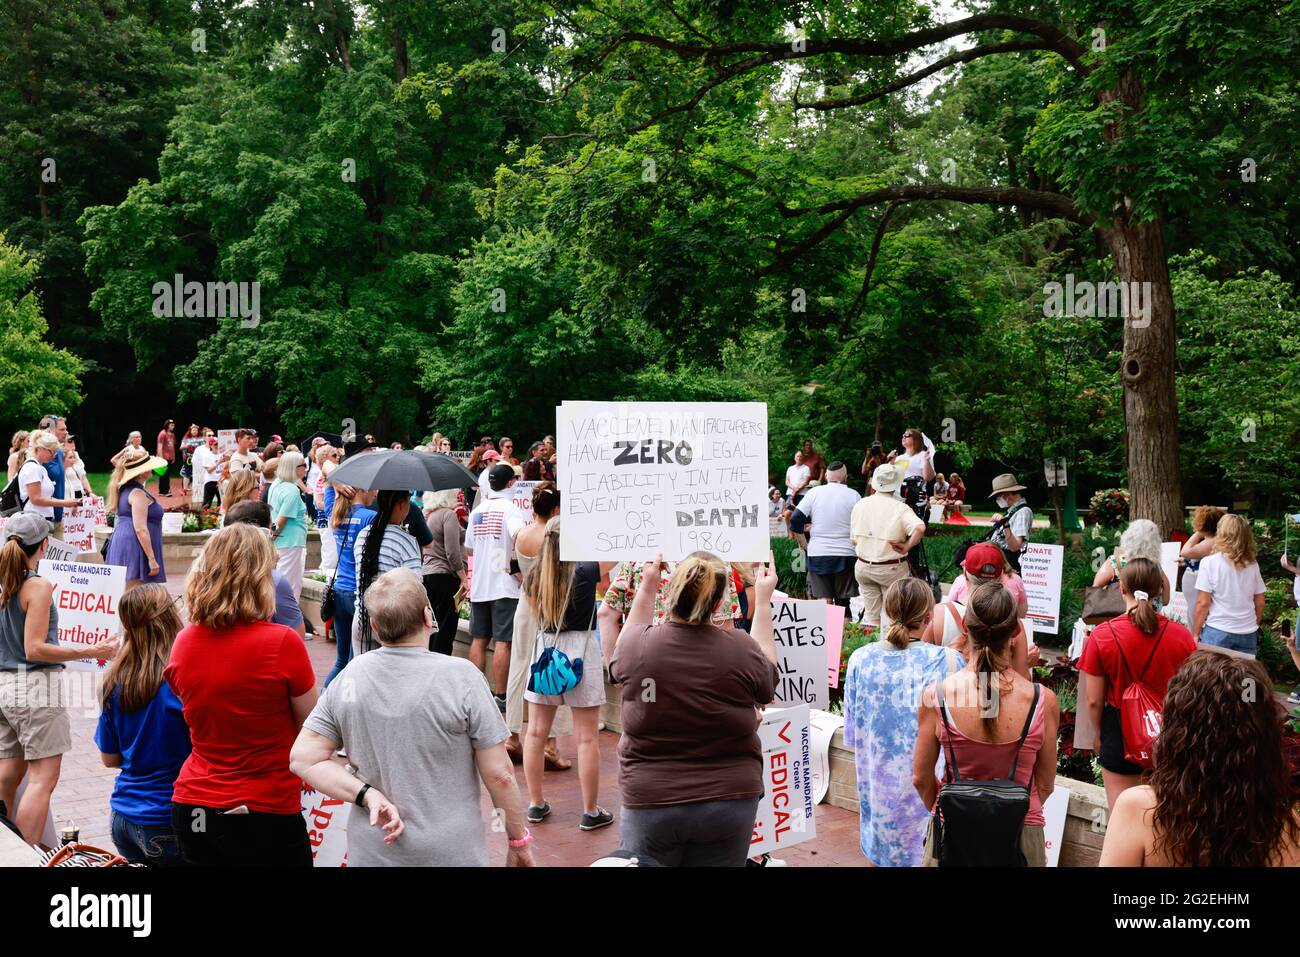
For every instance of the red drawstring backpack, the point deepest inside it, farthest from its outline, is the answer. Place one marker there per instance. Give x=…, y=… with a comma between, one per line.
x=1140, y=709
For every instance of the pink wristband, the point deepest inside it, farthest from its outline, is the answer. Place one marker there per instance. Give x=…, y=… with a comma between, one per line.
x=523, y=841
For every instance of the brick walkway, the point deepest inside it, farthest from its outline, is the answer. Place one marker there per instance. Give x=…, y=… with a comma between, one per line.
x=85, y=785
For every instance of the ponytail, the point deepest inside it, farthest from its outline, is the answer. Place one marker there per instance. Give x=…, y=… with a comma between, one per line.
x=991, y=620
x=13, y=567
x=697, y=585
x=1142, y=579
x=908, y=602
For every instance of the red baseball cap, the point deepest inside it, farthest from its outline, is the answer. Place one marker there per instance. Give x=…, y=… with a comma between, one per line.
x=491, y=455
x=984, y=561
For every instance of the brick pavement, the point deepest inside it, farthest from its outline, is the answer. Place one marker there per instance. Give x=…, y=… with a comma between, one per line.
x=85, y=785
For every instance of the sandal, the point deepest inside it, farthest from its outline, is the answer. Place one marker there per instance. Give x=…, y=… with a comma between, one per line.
x=554, y=762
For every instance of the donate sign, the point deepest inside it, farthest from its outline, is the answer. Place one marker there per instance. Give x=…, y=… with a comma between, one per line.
x=86, y=598
x=642, y=478
x=787, y=810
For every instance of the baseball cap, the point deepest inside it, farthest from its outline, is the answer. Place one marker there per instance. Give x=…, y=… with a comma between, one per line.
x=500, y=476
x=491, y=455
x=984, y=561
x=29, y=528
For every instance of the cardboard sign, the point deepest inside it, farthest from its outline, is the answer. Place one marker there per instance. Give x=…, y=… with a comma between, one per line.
x=86, y=598
x=642, y=478
x=787, y=811
x=1040, y=570
x=173, y=523
x=226, y=441
x=79, y=531
x=327, y=827
x=799, y=628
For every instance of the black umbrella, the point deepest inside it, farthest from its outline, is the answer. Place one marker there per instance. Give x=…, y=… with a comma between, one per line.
x=402, y=469
x=333, y=438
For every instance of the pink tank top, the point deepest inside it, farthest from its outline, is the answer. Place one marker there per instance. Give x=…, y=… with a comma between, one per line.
x=981, y=761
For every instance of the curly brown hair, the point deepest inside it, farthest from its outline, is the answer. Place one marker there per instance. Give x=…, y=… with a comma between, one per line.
x=1221, y=782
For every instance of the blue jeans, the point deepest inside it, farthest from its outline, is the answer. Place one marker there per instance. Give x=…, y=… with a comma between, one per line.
x=1221, y=639
x=152, y=844
x=345, y=609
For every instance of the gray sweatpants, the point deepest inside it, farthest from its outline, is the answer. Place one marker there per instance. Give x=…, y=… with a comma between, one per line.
x=701, y=834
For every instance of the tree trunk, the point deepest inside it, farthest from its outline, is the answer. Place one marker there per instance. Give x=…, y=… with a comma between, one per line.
x=1147, y=374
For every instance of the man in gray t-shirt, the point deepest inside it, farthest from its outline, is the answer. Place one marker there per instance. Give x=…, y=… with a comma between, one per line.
x=421, y=730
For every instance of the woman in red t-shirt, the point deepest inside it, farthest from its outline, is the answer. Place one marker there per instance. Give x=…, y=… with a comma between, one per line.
x=246, y=686
x=1138, y=644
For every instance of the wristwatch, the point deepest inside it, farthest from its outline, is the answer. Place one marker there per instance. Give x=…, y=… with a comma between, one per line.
x=361, y=796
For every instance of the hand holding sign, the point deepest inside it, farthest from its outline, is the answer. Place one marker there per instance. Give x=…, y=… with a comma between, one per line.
x=105, y=650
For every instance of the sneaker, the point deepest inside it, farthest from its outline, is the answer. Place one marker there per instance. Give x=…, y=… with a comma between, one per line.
x=1294, y=697
x=601, y=818
x=537, y=813
x=500, y=699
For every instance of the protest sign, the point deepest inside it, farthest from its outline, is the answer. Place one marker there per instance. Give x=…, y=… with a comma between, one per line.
x=776, y=527
x=226, y=441
x=823, y=725
x=1054, y=813
x=799, y=628
x=642, y=478
x=173, y=523
x=327, y=827
x=86, y=598
x=834, y=642
x=79, y=531
x=521, y=493
x=786, y=812
x=1040, y=570
x=60, y=551
x=462, y=457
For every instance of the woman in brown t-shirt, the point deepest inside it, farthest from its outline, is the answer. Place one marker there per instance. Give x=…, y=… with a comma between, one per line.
x=690, y=764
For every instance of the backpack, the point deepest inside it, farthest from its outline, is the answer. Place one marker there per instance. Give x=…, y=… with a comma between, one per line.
x=554, y=673
x=1140, y=709
x=11, y=499
x=979, y=823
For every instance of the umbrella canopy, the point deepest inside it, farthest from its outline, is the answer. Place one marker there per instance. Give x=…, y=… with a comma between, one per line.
x=333, y=438
x=402, y=469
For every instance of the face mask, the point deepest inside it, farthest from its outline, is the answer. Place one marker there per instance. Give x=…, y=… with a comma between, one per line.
x=1002, y=501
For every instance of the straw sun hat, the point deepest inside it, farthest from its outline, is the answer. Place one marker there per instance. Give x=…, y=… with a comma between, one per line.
x=138, y=462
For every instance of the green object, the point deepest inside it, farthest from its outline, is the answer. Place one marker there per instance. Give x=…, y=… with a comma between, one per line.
x=1070, y=509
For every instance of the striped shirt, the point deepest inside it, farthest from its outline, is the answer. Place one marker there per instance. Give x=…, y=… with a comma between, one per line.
x=398, y=550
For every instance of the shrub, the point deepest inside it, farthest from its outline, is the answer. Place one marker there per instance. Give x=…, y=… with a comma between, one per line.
x=1110, y=507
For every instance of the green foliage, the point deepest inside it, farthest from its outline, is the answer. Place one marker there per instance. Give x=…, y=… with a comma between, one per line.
x=35, y=377
x=791, y=570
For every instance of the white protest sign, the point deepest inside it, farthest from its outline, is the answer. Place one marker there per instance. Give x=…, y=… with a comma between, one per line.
x=226, y=441
x=79, y=531
x=85, y=597
x=521, y=493
x=462, y=457
x=824, y=725
x=642, y=478
x=60, y=551
x=1169, y=561
x=173, y=523
x=799, y=628
x=1054, y=812
x=1040, y=570
x=327, y=827
x=787, y=811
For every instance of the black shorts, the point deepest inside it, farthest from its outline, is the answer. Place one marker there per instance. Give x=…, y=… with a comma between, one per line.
x=840, y=586
x=493, y=619
x=1112, y=744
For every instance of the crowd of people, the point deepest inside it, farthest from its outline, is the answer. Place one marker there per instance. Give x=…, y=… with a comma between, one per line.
x=215, y=721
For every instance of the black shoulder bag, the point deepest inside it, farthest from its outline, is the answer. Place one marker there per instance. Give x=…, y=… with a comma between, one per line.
x=978, y=823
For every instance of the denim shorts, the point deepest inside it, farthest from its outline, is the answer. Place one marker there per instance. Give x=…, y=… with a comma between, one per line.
x=1222, y=639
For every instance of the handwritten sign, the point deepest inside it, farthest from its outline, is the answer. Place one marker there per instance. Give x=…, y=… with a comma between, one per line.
x=226, y=441
x=787, y=811
x=799, y=628
x=642, y=478
x=1040, y=570
x=327, y=827
x=60, y=551
x=79, y=531
x=86, y=598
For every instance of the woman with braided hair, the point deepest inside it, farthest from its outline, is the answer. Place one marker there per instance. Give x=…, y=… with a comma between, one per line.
x=985, y=707
x=382, y=546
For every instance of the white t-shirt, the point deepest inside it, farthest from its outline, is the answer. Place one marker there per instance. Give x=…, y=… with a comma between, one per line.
x=1234, y=590
x=74, y=480
x=829, y=508
x=33, y=471
x=796, y=476
x=493, y=525
x=206, y=465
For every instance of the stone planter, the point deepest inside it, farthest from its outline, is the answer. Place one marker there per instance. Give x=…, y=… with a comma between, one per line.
x=313, y=593
x=180, y=548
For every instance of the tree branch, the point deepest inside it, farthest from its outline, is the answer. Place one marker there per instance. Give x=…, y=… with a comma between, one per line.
x=961, y=56
x=1054, y=203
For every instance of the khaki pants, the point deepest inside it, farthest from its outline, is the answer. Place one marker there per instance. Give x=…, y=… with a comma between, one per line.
x=872, y=582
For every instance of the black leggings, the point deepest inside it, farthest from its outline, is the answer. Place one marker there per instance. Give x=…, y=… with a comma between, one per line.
x=209, y=838
x=441, y=590
x=211, y=493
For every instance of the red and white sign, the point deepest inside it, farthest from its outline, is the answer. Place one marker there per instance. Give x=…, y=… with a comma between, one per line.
x=79, y=530
x=86, y=598
x=521, y=493
x=1040, y=570
x=787, y=809
x=327, y=827
x=226, y=441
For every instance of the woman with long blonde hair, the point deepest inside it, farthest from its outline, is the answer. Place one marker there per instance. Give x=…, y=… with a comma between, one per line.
x=142, y=729
x=561, y=598
x=242, y=487
x=246, y=685
x=1230, y=590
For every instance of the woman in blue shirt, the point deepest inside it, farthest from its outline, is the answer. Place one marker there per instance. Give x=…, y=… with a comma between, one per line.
x=351, y=513
x=142, y=731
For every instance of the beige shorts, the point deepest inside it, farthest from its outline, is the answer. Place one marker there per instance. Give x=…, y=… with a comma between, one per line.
x=34, y=714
